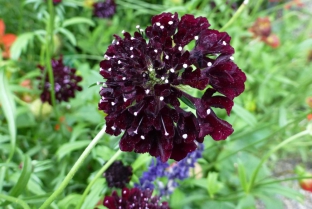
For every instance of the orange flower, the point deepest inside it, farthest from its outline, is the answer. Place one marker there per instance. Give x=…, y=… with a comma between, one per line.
x=272, y=40
x=262, y=29
x=294, y=3
x=6, y=40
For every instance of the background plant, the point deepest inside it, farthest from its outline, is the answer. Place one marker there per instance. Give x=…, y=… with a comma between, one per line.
x=39, y=144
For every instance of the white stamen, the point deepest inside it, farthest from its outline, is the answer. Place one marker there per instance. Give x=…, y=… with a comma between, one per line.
x=125, y=192
x=142, y=137
x=132, y=38
x=166, y=81
x=184, y=136
x=231, y=58
x=144, y=75
x=101, y=69
x=161, y=98
x=125, y=99
x=135, y=113
x=113, y=41
x=114, y=56
x=162, y=78
x=147, y=91
x=119, y=61
x=172, y=16
x=161, y=27
x=113, y=128
x=106, y=201
x=123, y=31
x=166, y=133
x=185, y=65
x=141, y=30
x=209, y=64
x=172, y=70
x=131, y=56
x=170, y=22
x=155, y=51
x=223, y=43
x=196, y=37
x=180, y=48
x=117, y=43
x=158, y=24
x=137, y=27
x=167, y=57
x=109, y=69
x=131, y=48
x=208, y=111
x=113, y=103
x=123, y=78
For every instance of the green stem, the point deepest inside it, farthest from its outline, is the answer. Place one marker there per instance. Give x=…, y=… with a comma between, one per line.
x=15, y=200
x=98, y=175
x=282, y=180
x=235, y=16
x=74, y=169
x=49, y=51
x=287, y=141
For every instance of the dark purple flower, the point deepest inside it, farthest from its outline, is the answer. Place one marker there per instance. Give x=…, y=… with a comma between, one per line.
x=134, y=198
x=65, y=82
x=104, y=9
x=118, y=175
x=145, y=79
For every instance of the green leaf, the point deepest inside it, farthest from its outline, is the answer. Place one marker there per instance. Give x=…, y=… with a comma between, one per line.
x=175, y=199
x=68, y=201
x=78, y=20
x=141, y=160
x=68, y=35
x=95, y=194
x=245, y=115
x=22, y=181
x=187, y=102
x=71, y=146
x=213, y=185
x=242, y=176
x=8, y=106
x=20, y=44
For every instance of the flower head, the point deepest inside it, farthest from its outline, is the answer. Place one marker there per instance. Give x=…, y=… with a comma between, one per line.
x=144, y=86
x=6, y=40
x=104, y=9
x=118, y=175
x=65, y=82
x=134, y=198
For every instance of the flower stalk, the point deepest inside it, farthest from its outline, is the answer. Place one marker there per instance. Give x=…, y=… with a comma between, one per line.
x=285, y=142
x=98, y=175
x=74, y=169
x=236, y=15
x=49, y=50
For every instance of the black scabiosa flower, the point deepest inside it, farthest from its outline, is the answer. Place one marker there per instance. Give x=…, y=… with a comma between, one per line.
x=134, y=198
x=118, y=175
x=145, y=79
x=104, y=9
x=65, y=82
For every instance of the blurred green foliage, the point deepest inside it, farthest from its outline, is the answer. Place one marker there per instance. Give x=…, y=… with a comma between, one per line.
x=35, y=156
